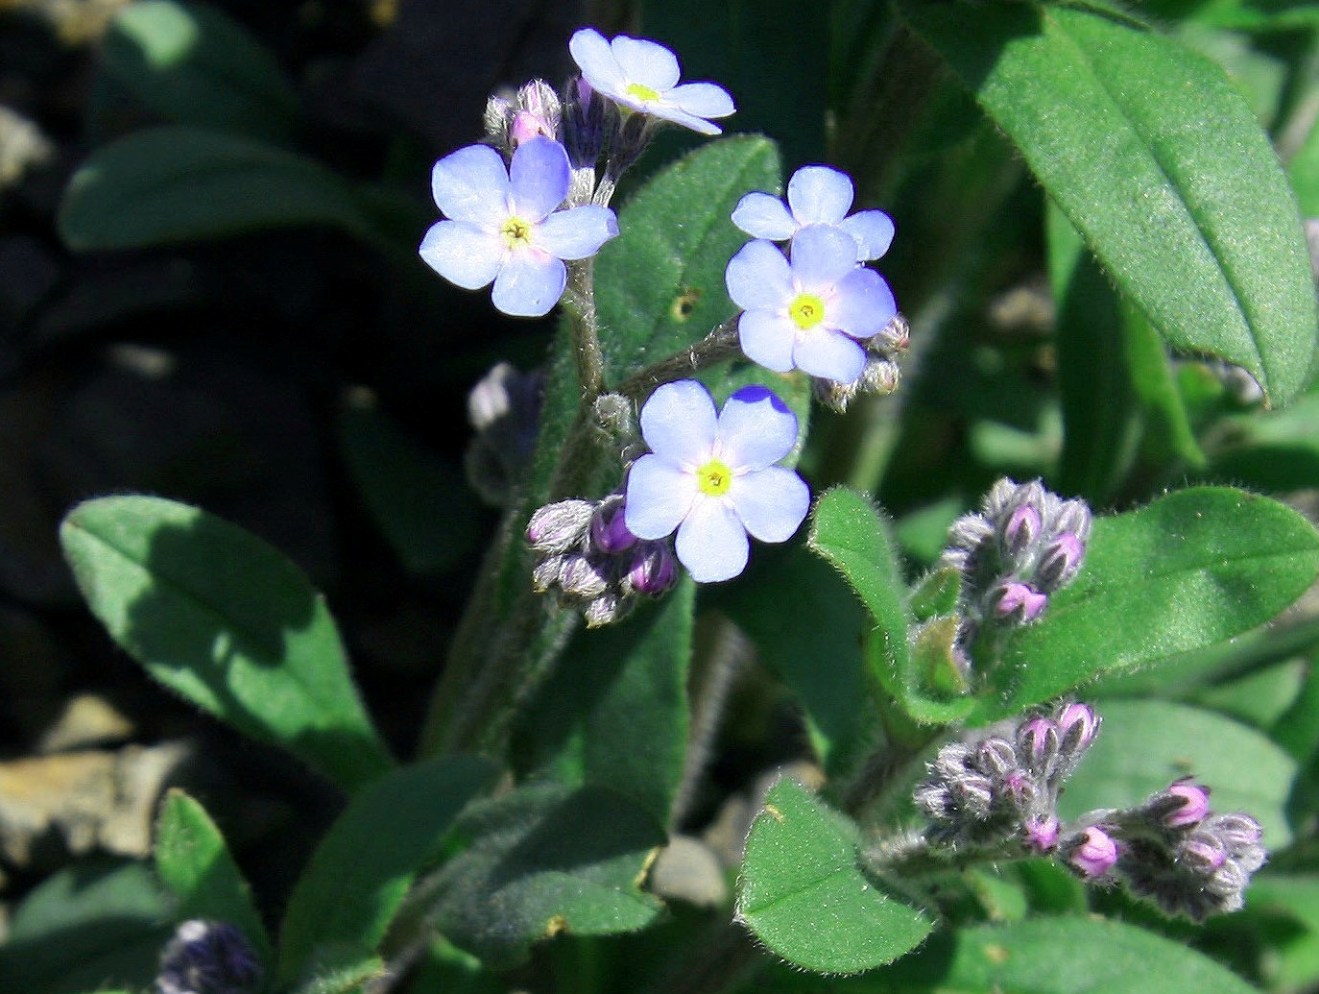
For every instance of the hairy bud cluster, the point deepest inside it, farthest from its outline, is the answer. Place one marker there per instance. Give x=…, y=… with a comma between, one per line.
x=207, y=957
x=1002, y=788
x=882, y=374
x=587, y=556
x=1024, y=544
x=504, y=408
x=1173, y=850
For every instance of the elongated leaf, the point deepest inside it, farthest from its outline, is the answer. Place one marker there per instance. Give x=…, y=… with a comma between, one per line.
x=174, y=184
x=804, y=896
x=1189, y=212
x=626, y=683
x=546, y=860
x=661, y=282
x=1145, y=745
x=224, y=620
x=192, y=65
x=193, y=861
x=1190, y=570
x=362, y=869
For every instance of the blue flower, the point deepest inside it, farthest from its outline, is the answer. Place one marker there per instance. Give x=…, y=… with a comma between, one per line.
x=816, y=195
x=504, y=224
x=642, y=76
x=712, y=476
x=808, y=313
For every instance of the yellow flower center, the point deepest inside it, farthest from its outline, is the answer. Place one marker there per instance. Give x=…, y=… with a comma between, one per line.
x=642, y=92
x=806, y=310
x=714, y=478
x=516, y=232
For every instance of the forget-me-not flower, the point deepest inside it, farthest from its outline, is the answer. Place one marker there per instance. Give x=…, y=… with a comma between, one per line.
x=713, y=476
x=807, y=312
x=643, y=76
x=504, y=224
x=816, y=195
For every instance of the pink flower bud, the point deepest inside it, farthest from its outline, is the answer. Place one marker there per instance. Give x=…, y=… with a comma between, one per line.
x=1094, y=854
x=1022, y=529
x=1077, y=725
x=1019, y=603
x=1193, y=807
x=1042, y=834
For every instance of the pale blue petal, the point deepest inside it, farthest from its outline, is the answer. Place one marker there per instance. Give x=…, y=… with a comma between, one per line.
x=679, y=423
x=530, y=284
x=596, y=60
x=668, y=112
x=862, y=304
x=462, y=254
x=763, y=216
x=758, y=277
x=471, y=185
x=771, y=503
x=712, y=543
x=821, y=256
x=756, y=429
x=701, y=99
x=829, y=354
x=578, y=232
x=659, y=496
x=873, y=231
x=645, y=62
x=767, y=337
x=819, y=195
x=539, y=177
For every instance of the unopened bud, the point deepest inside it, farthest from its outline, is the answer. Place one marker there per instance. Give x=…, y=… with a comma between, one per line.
x=582, y=578
x=606, y=609
x=1038, y=738
x=558, y=527
x=1077, y=727
x=1022, y=529
x=1019, y=603
x=208, y=957
x=1092, y=854
x=1060, y=561
x=1042, y=834
x=1182, y=804
x=653, y=571
x=609, y=533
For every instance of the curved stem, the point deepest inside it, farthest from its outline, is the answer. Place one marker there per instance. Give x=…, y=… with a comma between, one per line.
x=715, y=347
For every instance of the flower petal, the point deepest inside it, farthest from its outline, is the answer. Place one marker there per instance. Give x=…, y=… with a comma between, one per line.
x=577, y=232
x=462, y=254
x=712, y=543
x=873, y=231
x=822, y=255
x=646, y=62
x=596, y=60
x=763, y=216
x=701, y=99
x=758, y=276
x=829, y=354
x=771, y=503
x=819, y=195
x=530, y=283
x=659, y=495
x=756, y=429
x=679, y=423
x=862, y=304
x=471, y=185
x=539, y=176
x=767, y=338
x=670, y=112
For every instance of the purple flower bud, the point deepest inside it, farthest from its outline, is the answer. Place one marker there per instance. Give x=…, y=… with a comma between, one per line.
x=1060, y=561
x=1019, y=603
x=560, y=526
x=1077, y=726
x=1072, y=516
x=1238, y=831
x=1038, y=738
x=1202, y=853
x=1092, y=854
x=1042, y=833
x=996, y=756
x=1022, y=529
x=609, y=534
x=207, y=957
x=653, y=571
x=1193, y=804
x=973, y=794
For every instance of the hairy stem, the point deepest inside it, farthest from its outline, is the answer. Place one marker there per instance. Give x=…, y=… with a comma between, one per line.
x=715, y=347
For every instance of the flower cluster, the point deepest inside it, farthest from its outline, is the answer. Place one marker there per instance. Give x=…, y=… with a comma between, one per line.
x=1173, y=850
x=588, y=556
x=811, y=307
x=1006, y=787
x=207, y=957
x=1024, y=544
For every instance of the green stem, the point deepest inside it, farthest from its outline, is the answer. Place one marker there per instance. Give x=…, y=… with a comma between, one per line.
x=715, y=347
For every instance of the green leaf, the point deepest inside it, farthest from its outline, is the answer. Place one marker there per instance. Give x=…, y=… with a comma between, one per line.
x=1191, y=570
x=546, y=860
x=804, y=896
x=193, y=861
x=848, y=532
x=1066, y=955
x=192, y=64
x=362, y=869
x=1145, y=745
x=160, y=186
x=94, y=924
x=660, y=284
x=225, y=621
x=1297, y=898
x=1189, y=213
x=623, y=683
x=1304, y=172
